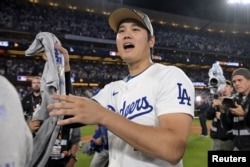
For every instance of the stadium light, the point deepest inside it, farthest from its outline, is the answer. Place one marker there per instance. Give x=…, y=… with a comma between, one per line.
x=238, y=1
x=198, y=98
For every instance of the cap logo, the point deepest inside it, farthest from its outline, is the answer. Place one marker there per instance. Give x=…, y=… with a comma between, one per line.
x=139, y=14
x=145, y=20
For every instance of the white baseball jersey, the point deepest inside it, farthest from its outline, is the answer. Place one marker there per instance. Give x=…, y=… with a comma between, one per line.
x=15, y=137
x=156, y=91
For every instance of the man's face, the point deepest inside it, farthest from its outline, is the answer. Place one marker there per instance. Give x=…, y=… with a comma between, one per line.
x=241, y=84
x=132, y=42
x=36, y=84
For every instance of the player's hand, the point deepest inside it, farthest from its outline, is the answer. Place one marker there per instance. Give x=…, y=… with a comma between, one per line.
x=65, y=54
x=82, y=110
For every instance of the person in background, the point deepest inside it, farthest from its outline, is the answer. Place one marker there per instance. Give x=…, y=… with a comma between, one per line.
x=203, y=107
x=15, y=139
x=235, y=118
x=149, y=113
x=222, y=139
x=98, y=145
x=31, y=104
x=100, y=139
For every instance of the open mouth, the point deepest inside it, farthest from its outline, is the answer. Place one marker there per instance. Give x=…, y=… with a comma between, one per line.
x=128, y=46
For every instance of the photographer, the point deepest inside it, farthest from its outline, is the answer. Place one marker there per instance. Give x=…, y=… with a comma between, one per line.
x=235, y=118
x=222, y=140
x=31, y=104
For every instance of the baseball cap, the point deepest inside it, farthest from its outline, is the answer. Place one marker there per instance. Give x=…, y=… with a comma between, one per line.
x=228, y=82
x=117, y=16
x=242, y=71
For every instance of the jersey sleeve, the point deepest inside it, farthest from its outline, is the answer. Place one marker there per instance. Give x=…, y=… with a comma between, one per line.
x=101, y=96
x=175, y=92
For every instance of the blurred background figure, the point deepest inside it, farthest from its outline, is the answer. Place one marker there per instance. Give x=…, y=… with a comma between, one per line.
x=31, y=104
x=203, y=107
x=222, y=139
x=100, y=139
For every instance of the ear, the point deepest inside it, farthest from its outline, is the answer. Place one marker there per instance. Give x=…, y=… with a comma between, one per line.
x=152, y=41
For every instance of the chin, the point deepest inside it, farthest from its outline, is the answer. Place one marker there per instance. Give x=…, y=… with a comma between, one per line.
x=126, y=58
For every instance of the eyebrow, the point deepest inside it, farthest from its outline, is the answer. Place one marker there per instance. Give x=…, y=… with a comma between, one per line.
x=134, y=24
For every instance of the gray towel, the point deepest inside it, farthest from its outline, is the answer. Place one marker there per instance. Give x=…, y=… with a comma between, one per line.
x=53, y=81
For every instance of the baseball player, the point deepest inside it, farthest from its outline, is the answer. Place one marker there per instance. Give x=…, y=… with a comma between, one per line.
x=149, y=113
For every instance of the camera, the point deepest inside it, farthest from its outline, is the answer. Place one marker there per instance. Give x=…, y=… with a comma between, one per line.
x=229, y=102
x=216, y=78
x=216, y=96
x=216, y=107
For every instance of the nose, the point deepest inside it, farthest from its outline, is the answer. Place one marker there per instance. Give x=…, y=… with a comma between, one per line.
x=236, y=83
x=126, y=36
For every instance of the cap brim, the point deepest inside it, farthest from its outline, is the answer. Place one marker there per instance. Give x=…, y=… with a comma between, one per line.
x=228, y=82
x=121, y=14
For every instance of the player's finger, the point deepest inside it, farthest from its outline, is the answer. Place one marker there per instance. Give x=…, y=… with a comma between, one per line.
x=63, y=98
x=67, y=121
x=61, y=112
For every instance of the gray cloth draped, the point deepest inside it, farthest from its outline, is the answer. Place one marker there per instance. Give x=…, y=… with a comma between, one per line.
x=53, y=81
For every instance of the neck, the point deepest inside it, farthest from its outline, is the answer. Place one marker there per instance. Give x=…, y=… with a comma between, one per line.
x=36, y=93
x=135, y=69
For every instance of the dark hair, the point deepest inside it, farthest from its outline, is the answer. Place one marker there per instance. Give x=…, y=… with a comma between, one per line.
x=149, y=37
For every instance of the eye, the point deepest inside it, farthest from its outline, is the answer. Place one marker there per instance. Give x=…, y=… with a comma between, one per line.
x=120, y=30
x=136, y=29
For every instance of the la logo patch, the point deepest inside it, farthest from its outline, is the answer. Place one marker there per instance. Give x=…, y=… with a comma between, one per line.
x=183, y=95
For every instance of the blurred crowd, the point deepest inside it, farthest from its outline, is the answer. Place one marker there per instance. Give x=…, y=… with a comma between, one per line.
x=31, y=17
x=85, y=71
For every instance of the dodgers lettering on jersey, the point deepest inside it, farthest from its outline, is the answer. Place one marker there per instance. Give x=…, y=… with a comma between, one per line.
x=58, y=57
x=60, y=64
x=111, y=108
x=140, y=105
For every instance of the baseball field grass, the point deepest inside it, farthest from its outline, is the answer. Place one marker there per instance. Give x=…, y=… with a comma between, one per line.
x=195, y=154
